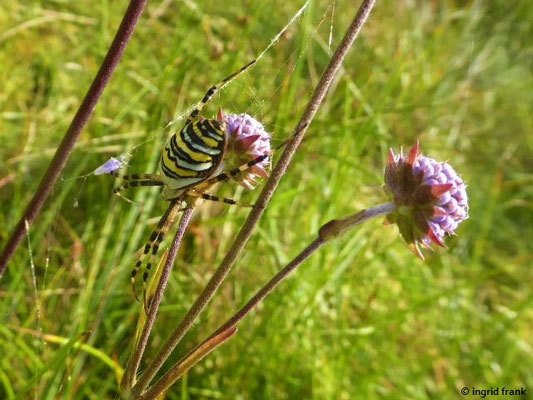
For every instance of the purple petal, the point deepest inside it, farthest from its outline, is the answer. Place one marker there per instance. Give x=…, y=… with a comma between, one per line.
x=110, y=166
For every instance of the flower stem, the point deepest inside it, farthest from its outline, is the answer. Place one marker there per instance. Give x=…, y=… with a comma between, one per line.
x=263, y=199
x=272, y=284
x=337, y=227
x=349, y=222
x=327, y=232
x=102, y=78
x=134, y=361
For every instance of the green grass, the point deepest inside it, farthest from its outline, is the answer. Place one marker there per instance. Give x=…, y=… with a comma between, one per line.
x=363, y=318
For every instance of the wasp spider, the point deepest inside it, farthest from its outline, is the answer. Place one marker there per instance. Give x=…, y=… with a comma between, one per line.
x=189, y=163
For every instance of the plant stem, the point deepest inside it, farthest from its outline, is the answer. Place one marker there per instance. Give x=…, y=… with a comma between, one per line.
x=343, y=224
x=102, y=78
x=263, y=199
x=327, y=232
x=187, y=363
x=307, y=252
x=136, y=356
x=337, y=227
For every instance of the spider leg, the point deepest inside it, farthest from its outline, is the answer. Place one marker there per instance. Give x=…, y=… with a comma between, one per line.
x=206, y=196
x=142, y=177
x=135, y=180
x=152, y=246
x=231, y=173
x=137, y=177
x=128, y=185
x=213, y=90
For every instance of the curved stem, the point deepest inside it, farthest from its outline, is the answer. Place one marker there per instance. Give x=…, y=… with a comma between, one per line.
x=347, y=223
x=271, y=285
x=176, y=371
x=102, y=78
x=337, y=227
x=263, y=199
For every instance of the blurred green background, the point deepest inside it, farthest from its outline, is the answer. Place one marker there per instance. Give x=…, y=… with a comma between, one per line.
x=363, y=318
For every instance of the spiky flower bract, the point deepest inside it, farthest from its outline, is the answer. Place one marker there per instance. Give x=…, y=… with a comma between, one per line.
x=247, y=140
x=430, y=197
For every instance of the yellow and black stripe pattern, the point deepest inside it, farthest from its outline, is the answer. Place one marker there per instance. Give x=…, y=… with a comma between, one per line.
x=194, y=153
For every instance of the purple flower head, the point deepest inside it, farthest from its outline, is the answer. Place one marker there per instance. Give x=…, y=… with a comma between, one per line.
x=247, y=139
x=430, y=197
